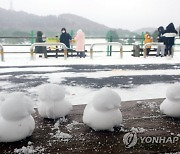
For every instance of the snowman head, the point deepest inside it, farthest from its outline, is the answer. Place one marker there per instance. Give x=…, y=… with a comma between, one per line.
x=173, y=93
x=16, y=106
x=49, y=93
x=106, y=99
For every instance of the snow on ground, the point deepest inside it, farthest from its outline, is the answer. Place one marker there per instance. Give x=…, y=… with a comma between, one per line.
x=24, y=59
x=79, y=94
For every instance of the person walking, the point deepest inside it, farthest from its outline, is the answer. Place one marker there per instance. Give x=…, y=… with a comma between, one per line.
x=80, y=42
x=160, y=38
x=169, y=34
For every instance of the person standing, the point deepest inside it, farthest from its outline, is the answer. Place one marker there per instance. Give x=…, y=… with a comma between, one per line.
x=160, y=38
x=80, y=42
x=169, y=34
x=65, y=37
x=148, y=39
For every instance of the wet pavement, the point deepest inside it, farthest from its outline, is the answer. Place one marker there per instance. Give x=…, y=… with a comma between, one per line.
x=27, y=79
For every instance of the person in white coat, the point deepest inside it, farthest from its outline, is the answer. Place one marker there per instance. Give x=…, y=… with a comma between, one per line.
x=80, y=42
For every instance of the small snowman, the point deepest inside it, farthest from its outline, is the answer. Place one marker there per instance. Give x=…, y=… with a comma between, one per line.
x=103, y=112
x=171, y=105
x=16, y=122
x=52, y=103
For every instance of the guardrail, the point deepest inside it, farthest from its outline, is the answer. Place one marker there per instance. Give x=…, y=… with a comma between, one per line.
x=153, y=43
x=108, y=43
x=2, y=52
x=48, y=44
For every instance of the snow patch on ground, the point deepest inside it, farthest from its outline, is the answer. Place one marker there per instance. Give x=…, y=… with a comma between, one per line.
x=29, y=149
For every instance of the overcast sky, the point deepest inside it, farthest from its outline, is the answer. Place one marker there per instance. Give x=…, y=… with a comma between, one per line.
x=125, y=14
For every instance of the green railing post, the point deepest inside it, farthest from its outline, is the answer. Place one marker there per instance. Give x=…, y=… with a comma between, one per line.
x=142, y=40
x=72, y=35
x=109, y=39
x=110, y=47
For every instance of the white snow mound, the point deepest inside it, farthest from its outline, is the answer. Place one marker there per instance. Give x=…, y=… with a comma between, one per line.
x=171, y=105
x=16, y=122
x=52, y=103
x=103, y=112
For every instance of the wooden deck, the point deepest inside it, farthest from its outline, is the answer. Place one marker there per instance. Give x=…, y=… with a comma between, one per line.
x=70, y=135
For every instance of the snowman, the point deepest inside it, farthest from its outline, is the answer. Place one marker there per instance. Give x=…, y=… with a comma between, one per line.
x=16, y=122
x=103, y=112
x=171, y=105
x=52, y=103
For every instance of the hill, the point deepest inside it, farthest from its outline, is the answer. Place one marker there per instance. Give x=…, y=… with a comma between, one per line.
x=13, y=22
x=147, y=29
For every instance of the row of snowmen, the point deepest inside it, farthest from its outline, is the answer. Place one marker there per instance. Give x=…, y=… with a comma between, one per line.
x=101, y=113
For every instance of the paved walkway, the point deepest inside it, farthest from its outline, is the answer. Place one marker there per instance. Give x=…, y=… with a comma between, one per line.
x=31, y=76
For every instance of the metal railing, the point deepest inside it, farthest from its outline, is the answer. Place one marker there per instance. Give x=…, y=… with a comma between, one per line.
x=2, y=52
x=108, y=43
x=48, y=44
x=155, y=44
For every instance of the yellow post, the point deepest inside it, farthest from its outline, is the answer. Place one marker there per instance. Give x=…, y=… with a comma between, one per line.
x=145, y=52
x=91, y=53
x=65, y=53
x=172, y=51
x=2, y=54
x=121, y=52
x=32, y=53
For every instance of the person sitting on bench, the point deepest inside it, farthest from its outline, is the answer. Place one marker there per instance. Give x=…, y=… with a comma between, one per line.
x=148, y=39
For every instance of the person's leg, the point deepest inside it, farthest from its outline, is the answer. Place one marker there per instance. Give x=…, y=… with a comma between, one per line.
x=170, y=50
x=77, y=53
x=148, y=50
x=166, y=50
x=81, y=54
x=162, y=50
x=158, y=50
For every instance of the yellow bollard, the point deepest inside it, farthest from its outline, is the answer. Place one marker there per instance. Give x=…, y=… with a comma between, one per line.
x=145, y=52
x=91, y=53
x=65, y=53
x=121, y=52
x=32, y=53
x=2, y=54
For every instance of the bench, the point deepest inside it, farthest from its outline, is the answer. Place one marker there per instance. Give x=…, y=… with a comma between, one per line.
x=139, y=51
x=55, y=51
x=60, y=53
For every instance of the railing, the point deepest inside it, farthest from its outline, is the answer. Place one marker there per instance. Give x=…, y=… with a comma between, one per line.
x=108, y=43
x=48, y=44
x=1, y=52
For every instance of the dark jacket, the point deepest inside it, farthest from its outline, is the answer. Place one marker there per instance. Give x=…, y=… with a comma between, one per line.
x=39, y=39
x=160, y=34
x=65, y=38
x=170, y=34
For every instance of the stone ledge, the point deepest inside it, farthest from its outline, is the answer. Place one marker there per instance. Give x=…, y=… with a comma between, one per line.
x=143, y=115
